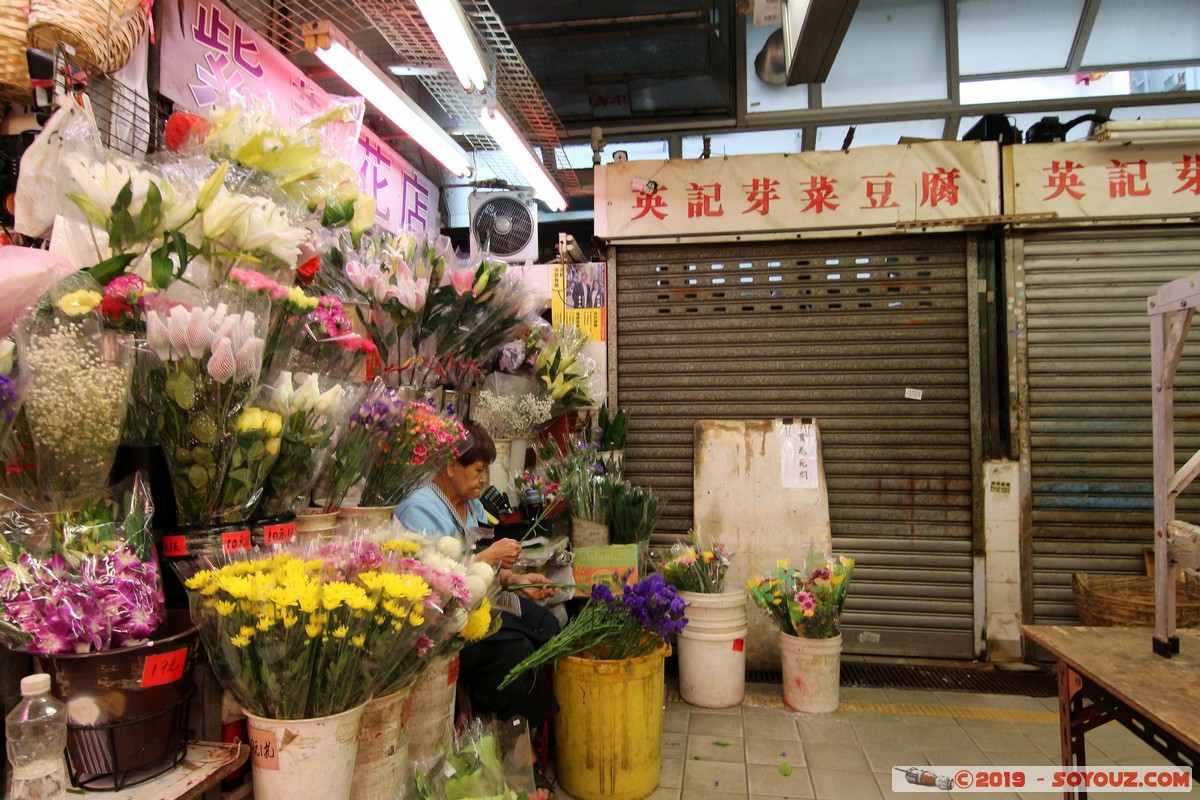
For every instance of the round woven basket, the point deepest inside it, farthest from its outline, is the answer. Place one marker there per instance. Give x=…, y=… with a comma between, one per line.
x=1128, y=601
x=103, y=33
x=14, y=68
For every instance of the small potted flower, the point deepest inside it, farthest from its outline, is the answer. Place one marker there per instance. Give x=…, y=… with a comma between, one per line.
x=805, y=604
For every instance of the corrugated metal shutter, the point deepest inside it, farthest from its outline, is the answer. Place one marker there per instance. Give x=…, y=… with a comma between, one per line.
x=836, y=330
x=1089, y=433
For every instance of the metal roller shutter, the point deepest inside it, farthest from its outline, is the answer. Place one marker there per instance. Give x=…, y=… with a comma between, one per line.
x=1089, y=431
x=836, y=330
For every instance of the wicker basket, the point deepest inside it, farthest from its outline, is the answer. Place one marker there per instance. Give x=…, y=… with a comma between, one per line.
x=1128, y=601
x=14, y=67
x=103, y=32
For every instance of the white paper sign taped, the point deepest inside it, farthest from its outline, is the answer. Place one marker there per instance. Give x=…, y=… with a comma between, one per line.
x=798, y=464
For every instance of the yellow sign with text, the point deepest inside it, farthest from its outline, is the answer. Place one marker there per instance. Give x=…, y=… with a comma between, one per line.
x=577, y=297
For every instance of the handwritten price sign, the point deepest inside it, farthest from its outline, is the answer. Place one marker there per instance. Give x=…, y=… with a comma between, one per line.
x=264, y=750
x=164, y=668
x=174, y=546
x=283, y=533
x=235, y=541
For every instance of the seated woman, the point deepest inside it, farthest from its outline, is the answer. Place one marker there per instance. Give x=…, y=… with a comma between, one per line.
x=449, y=505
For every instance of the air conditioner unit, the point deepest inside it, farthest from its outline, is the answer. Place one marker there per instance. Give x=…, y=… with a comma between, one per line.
x=504, y=226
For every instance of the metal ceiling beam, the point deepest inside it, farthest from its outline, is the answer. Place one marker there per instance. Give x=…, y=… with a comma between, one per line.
x=1083, y=34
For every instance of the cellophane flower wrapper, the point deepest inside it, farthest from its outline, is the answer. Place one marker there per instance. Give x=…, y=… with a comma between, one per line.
x=491, y=760
x=562, y=370
x=635, y=623
x=805, y=601
x=634, y=511
x=361, y=441
x=314, y=408
x=78, y=390
x=418, y=447
x=306, y=162
x=12, y=392
x=210, y=357
x=288, y=306
x=309, y=630
x=325, y=341
x=82, y=581
x=509, y=416
x=697, y=569
x=458, y=609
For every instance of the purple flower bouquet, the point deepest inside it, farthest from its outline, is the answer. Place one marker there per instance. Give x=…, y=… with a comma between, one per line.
x=611, y=628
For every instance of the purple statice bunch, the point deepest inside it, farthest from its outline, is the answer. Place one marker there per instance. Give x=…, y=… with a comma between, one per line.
x=104, y=602
x=361, y=441
x=10, y=399
x=637, y=623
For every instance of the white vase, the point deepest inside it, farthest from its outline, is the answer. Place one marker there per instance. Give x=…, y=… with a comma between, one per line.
x=382, y=762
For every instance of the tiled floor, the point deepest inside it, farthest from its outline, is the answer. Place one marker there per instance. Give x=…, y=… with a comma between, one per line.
x=762, y=750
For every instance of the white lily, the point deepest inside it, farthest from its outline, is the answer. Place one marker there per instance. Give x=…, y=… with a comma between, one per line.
x=306, y=396
x=330, y=399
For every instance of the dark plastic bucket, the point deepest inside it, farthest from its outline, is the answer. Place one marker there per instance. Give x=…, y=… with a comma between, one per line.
x=127, y=709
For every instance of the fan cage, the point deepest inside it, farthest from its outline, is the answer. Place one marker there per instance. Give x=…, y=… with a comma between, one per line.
x=503, y=225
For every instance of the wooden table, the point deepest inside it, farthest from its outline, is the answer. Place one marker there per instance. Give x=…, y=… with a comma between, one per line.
x=1109, y=674
x=205, y=764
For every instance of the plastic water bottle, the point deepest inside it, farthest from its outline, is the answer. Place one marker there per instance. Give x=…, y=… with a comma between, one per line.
x=36, y=732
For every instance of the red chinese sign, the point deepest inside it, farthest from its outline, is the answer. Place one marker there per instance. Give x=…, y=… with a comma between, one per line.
x=870, y=187
x=1097, y=180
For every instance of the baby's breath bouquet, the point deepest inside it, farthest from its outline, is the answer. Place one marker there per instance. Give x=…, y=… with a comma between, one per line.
x=508, y=417
x=78, y=390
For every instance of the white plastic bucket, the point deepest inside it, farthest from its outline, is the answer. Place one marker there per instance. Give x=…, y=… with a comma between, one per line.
x=724, y=612
x=310, y=527
x=811, y=673
x=712, y=668
x=304, y=759
x=431, y=718
x=382, y=762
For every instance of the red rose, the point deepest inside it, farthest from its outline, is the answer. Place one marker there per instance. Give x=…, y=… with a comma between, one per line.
x=183, y=127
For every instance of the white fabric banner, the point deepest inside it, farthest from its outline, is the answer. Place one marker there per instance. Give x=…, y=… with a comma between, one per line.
x=870, y=187
x=1095, y=180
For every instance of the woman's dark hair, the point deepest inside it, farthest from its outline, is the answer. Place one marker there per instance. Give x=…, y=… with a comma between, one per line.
x=477, y=446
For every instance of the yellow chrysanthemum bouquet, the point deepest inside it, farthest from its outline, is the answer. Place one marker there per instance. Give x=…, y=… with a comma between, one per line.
x=316, y=631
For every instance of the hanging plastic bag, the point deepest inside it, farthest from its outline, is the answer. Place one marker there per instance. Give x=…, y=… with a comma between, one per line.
x=37, y=186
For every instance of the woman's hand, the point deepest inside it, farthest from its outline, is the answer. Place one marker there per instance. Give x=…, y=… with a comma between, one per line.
x=535, y=592
x=502, y=554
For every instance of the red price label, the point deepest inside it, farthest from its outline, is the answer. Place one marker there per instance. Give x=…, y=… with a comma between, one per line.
x=374, y=366
x=235, y=541
x=739, y=645
x=264, y=750
x=174, y=546
x=164, y=668
x=453, y=676
x=282, y=533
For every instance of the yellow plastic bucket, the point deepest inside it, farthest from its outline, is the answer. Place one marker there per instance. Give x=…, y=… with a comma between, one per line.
x=609, y=726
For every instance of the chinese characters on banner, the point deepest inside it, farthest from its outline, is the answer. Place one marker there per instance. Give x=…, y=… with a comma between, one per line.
x=211, y=52
x=869, y=187
x=577, y=298
x=1097, y=179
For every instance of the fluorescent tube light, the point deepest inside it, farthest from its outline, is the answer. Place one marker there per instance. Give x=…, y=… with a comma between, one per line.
x=456, y=37
x=366, y=78
x=498, y=126
x=1149, y=130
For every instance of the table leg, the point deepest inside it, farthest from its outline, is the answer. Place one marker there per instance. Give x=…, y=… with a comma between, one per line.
x=1070, y=703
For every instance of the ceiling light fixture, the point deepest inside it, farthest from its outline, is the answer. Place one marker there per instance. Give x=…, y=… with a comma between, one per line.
x=365, y=77
x=456, y=36
x=498, y=126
